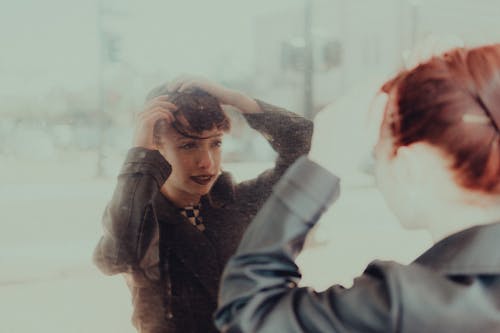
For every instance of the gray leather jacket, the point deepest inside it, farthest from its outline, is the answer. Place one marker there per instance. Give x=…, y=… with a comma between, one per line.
x=453, y=287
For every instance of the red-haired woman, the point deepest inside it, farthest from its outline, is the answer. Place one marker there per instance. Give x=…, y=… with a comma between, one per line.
x=438, y=167
x=175, y=218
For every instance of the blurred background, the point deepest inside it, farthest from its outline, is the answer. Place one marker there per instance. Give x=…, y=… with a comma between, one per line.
x=74, y=73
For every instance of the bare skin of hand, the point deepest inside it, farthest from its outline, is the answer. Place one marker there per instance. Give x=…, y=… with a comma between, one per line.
x=225, y=95
x=156, y=109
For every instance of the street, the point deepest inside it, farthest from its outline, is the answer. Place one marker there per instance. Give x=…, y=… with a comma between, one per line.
x=51, y=222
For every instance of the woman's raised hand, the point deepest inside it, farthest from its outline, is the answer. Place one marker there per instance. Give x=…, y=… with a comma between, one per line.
x=186, y=83
x=156, y=109
x=225, y=95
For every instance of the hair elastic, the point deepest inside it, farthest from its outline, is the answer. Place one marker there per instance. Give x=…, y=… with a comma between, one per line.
x=495, y=122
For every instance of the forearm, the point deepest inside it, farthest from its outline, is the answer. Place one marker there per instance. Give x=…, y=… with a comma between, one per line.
x=244, y=103
x=263, y=267
x=288, y=133
x=123, y=221
x=290, y=136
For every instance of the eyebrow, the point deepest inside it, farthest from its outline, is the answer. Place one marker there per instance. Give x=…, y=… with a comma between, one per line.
x=181, y=137
x=187, y=135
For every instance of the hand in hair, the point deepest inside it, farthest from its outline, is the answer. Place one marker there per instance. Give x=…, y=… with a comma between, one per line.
x=155, y=109
x=225, y=95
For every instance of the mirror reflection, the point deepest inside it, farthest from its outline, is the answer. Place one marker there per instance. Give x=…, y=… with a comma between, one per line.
x=74, y=77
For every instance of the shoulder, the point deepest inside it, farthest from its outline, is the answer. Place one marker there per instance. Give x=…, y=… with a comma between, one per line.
x=223, y=190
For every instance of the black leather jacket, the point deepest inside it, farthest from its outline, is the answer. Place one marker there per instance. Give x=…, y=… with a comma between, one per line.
x=453, y=287
x=172, y=268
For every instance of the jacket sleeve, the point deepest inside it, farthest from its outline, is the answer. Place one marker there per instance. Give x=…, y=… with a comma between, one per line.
x=259, y=290
x=127, y=230
x=289, y=134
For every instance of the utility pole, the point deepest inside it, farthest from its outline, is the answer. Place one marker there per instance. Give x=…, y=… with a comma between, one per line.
x=415, y=9
x=109, y=53
x=308, y=62
x=100, y=87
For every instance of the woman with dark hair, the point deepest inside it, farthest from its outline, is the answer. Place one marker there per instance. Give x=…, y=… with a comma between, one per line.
x=437, y=163
x=175, y=217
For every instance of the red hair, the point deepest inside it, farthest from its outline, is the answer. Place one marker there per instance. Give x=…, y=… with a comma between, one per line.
x=452, y=102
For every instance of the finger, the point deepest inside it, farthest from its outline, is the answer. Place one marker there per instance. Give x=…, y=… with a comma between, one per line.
x=146, y=116
x=188, y=85
x=201, y=83
x=177, y=82
x=150, y=120
x=157, y=115
x=166, y=114
x=161, y=98
x=173, y=86
x=163, y=104
x=158, y=107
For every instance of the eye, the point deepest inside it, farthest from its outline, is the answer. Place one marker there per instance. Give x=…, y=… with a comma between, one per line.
x=188, y=146
x=217, y=143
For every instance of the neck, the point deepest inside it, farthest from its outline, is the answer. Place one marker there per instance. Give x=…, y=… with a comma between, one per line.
x=178, y=197
x=458, y=217
x=442, y=205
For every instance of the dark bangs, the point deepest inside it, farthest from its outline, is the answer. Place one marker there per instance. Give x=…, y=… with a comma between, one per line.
x=201, y=110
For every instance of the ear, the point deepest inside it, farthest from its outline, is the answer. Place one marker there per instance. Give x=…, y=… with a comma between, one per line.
x=410, y=164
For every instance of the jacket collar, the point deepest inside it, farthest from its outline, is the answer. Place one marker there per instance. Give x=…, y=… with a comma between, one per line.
x=472, y=251
x=223, y=190
x=221, y=193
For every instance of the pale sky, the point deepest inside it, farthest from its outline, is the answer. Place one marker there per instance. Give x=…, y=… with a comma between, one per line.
x=53, y=42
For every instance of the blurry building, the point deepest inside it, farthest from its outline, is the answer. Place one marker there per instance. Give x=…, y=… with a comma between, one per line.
x=354, y=41
x=350, y=41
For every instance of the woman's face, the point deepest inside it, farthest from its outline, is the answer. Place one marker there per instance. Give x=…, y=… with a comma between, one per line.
x=195, y=164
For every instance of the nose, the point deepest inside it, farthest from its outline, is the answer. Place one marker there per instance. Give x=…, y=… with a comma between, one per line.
x=205, y=159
